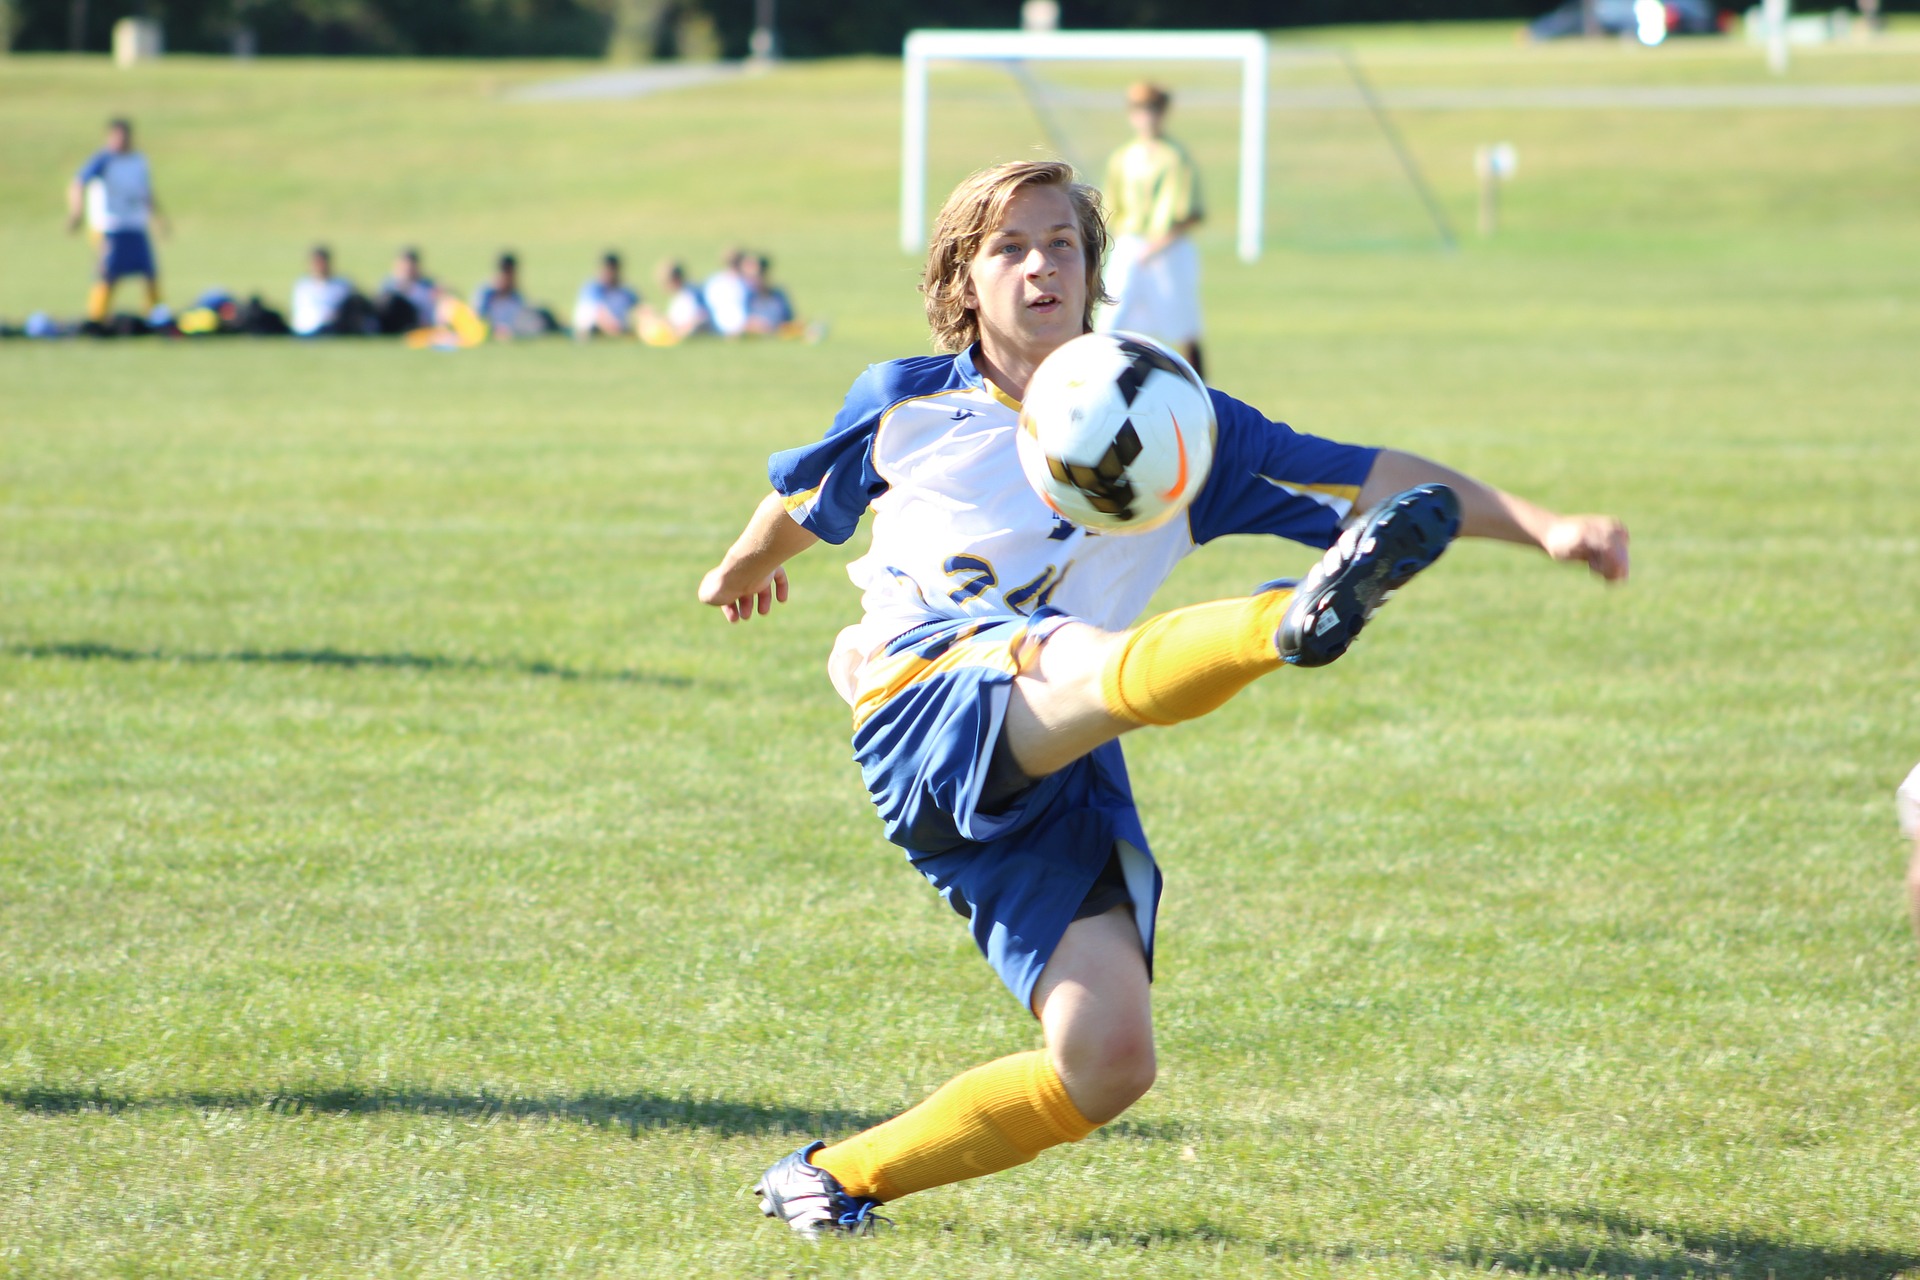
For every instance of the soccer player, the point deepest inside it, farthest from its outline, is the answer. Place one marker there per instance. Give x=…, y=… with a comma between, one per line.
x=604, y=306
x=1153, y=198
x=728, y=295
x=686, y=312
x=113, y=194
x=327, y=305
x=996, y=665
x=408, y=297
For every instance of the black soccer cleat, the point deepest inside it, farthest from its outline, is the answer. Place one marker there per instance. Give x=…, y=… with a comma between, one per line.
x=811, y=1200
x=1375, y=557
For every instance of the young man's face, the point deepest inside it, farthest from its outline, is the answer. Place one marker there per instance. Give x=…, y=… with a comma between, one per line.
x=1028, y=282
x=321, y=265
x=1146, y=121
x=119, y=140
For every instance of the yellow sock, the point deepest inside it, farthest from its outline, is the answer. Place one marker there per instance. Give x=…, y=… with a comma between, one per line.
x=98, y=299
x=1185, y=663
x=989, y=1119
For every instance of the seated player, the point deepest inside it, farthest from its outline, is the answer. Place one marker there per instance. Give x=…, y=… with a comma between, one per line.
x=408, y=297
x=605, y=306
x=728, y=294
x=327, y=305
x=997, y=664
x=113, y=194
x=685, y=315
x=768, y=310
x=506, y=313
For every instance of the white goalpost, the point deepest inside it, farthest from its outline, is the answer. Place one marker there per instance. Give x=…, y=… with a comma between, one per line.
x=1248, y=48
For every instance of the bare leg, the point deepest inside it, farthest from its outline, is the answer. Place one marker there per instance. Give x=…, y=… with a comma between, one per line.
x=1056, y=713
x=1913, y=886
x=1085, y=687
x=1095, y=1008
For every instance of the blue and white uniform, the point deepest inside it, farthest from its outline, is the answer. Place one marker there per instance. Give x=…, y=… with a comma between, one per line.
x=618, y=300
x=119, y=201
x=967, y=567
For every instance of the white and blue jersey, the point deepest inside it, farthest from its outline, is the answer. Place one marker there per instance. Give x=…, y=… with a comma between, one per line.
x=928, y=444
x=967, y=568
x=618, y=300
x=119, y=191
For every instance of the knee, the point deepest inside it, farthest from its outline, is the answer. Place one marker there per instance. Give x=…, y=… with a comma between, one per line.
x=1106, y=1074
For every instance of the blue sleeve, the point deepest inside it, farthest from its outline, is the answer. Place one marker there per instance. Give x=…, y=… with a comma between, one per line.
x=828, y=485
x=1269, y=478
x=95, y=167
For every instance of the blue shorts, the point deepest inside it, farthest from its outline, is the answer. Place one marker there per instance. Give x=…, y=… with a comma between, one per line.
x=126, y=253
x=927, y=715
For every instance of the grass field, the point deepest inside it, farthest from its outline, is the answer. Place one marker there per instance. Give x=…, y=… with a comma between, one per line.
x=401, y=875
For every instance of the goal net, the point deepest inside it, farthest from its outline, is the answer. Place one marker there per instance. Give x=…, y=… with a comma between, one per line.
x=1292, y=146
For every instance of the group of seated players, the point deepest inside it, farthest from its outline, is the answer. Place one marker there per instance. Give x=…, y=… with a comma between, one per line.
x=737, y=301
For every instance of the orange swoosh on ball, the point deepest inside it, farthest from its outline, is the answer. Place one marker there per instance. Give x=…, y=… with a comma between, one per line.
x=1179, y=481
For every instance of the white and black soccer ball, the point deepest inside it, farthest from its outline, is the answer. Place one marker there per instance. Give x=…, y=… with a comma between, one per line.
x=1116, y=432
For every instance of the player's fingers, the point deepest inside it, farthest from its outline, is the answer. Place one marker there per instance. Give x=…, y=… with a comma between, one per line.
x=764, y=598
x=731, y=612
x=780, y=585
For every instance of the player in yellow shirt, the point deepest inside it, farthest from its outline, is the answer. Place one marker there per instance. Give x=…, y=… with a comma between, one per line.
x=1153, y=199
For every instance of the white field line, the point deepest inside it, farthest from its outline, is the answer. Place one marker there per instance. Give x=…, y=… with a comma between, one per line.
x=1625, y=97
x=1549, y=97
x=637, y=82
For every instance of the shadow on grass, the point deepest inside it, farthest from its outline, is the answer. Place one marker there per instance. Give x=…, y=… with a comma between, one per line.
x=1634, y=1247
x=1643, y=1247
x=85, y=651
x=634, y=1112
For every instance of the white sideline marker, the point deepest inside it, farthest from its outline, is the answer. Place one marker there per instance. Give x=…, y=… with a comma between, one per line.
x=1248, y=48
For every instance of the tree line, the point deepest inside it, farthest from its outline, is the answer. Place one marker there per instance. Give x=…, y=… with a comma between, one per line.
x=635, y=30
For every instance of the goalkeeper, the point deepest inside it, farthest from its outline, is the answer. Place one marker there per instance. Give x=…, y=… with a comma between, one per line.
x=1153, y=197
x=994, y=669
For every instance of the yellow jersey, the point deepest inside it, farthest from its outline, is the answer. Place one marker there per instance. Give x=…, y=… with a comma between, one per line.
x=1151, y=186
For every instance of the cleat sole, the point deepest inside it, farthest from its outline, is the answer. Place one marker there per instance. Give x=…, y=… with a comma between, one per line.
x=1398, y=540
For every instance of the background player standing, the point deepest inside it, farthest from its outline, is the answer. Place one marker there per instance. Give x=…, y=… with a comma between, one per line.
x=994, y=671
x=1153, y=201
x=113, y=194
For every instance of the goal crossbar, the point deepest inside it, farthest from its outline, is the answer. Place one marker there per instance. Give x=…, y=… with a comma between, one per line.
x=1248, y=48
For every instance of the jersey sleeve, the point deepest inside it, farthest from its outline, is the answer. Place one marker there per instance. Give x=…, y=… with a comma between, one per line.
x=829, y=484
x=95, y=167
x=1269, y=478
x=1183, y=183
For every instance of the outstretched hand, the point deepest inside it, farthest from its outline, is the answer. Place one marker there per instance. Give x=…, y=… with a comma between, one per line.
x=739, y=606
x=1599, y=541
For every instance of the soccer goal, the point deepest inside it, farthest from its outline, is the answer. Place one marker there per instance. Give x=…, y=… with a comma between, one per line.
x=1014, y=49
x=1293, y=146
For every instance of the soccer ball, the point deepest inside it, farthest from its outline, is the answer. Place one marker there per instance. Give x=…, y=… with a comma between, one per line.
x=1116, y=432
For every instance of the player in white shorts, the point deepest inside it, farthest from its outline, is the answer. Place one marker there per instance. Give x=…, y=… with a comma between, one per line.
x=1153, y=202
x=997, y=664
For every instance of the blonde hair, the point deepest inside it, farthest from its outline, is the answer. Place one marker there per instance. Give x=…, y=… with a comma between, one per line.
x=971, y=213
